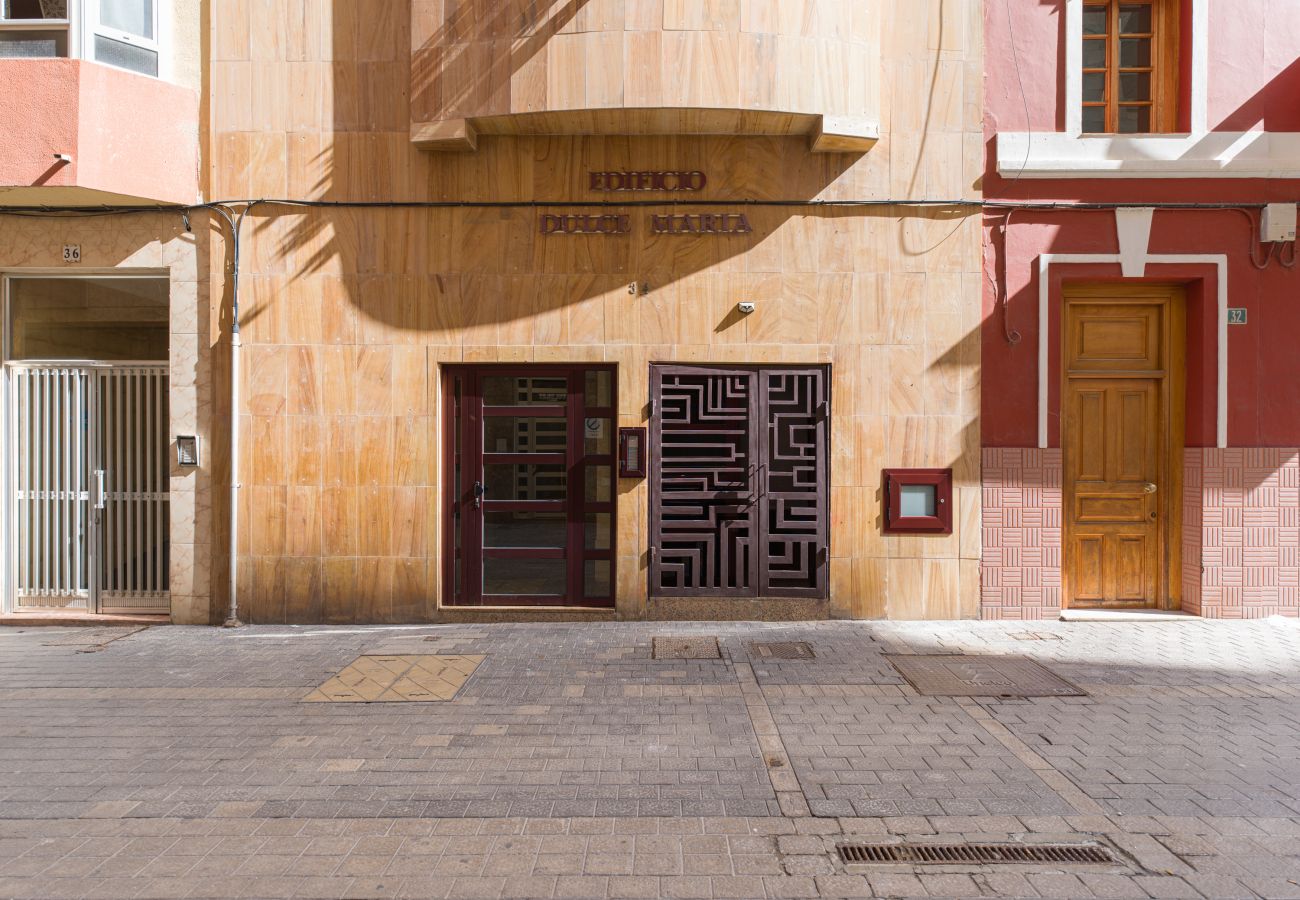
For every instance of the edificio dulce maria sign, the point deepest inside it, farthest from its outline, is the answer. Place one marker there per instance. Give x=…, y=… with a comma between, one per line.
x=689, y=223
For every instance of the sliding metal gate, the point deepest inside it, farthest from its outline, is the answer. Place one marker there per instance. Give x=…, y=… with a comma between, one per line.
x=88, y=465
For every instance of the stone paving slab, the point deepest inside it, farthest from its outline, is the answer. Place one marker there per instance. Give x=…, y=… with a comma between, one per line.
x=181, y=762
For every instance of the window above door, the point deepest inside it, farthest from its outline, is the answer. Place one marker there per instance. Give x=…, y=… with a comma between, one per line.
x=1129, y=67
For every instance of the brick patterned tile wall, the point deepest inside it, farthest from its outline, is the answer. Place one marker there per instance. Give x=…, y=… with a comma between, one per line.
x=1250, y=532
x=1020, y=569
x=1241, y=533
x=1193, y=518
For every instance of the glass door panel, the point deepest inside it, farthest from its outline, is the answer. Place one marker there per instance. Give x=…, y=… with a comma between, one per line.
x=532, y=507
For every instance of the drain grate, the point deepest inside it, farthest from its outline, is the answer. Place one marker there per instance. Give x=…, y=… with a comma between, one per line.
x=979, y=854
x=783, y=650
x=686, y=648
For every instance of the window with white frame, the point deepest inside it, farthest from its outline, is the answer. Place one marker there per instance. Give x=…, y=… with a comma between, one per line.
x=121, y=33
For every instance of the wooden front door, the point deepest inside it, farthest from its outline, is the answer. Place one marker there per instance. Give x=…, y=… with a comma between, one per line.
x=1122, y=437
x=530, y=474
x=738, y=475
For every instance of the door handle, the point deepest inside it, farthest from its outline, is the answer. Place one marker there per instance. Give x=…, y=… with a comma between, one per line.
x=1148, y=488
x=100, y=494
x=479, y=491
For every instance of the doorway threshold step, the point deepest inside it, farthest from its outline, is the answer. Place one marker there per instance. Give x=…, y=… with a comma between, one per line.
x=66, y=619
x=1127, y=615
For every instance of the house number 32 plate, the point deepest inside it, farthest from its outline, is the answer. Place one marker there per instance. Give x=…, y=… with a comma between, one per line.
x=1236, y=315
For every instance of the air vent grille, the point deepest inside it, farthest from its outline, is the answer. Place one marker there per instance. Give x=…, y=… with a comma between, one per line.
x=979, y=854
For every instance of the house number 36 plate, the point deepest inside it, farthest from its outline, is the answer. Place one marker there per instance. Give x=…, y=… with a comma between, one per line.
x=71, y=253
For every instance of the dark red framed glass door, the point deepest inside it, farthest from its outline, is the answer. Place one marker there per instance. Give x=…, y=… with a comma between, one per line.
x=530, y=498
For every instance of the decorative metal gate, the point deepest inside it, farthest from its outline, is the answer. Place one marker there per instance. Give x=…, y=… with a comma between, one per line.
x=88, y=464
x=739, y=482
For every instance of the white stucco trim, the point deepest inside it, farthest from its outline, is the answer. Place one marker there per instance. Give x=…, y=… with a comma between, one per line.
x=1200, y=154
x=1218, y=260
x=1216, y=154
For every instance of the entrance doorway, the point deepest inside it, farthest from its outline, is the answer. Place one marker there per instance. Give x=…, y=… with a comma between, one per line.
x=530, y=474
x=738, y=478
x=86, y=439
x=1122, y=430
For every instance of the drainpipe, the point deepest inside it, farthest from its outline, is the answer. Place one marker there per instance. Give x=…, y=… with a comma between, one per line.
x=236, y=224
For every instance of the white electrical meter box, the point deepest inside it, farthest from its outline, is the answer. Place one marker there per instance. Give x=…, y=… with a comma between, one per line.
x=1278, y=222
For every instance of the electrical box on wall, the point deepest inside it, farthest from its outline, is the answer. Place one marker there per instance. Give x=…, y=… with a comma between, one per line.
x=1277, y=223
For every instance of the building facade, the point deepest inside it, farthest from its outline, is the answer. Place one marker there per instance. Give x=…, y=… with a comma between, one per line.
x=608, y=308
x=1140, y=387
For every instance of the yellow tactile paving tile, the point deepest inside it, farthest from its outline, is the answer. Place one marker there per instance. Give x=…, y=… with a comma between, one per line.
x=397, y=679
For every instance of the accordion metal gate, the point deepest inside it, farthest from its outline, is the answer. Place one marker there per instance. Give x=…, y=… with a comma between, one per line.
x=89, y=524
x=739, y=475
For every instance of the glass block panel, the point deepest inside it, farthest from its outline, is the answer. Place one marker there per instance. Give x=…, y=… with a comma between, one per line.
x=918, y=500
x=132, y=16
x=1094, y=20
x=1094, y=86
x=520, y=434
x=1134, y=53
x=1094, y=54
x=598, y=437
x=597, y=531
x=1134, y=86
x=1094, y=119
x=521, y=390
x=33, y=44
x=600, y=388
x=1134, y=119
x=525, y=529
x=595, y=578
x=1135, y=18
x=125, y=56
x=529, y=577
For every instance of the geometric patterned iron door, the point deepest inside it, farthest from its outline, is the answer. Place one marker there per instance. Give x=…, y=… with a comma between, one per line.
x=738, y=482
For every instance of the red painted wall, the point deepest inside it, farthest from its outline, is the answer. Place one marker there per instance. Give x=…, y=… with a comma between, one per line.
x=1254, y=81
x=128, y=134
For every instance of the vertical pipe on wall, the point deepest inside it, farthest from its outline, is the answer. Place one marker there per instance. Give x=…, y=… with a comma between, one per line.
x=236, y=223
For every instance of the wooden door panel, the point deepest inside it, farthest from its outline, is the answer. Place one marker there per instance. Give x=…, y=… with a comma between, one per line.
x=1136, y=457
x=1117, y=433
x=1087, y=576
x=1101, y=508
x=1110, y=338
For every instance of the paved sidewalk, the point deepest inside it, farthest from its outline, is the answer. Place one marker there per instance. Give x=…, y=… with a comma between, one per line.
x=183, y=762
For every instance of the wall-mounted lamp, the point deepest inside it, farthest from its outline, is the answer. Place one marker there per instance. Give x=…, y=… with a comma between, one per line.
x=187, y=451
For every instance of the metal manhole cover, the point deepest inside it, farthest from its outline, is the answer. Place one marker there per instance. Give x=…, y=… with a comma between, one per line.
x=686, y=648
x=977, y=854
x=981, y=676
x=782, y=650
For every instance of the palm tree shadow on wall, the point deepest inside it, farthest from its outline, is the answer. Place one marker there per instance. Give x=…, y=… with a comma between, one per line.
x=462, y=256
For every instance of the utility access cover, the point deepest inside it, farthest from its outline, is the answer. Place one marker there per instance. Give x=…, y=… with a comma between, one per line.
x=397, y=679
x=782, y=650
x=980, y=676
x=686, y=648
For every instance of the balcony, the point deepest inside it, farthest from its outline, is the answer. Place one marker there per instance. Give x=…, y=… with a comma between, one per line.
x=129, y=138
x=604, y=67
